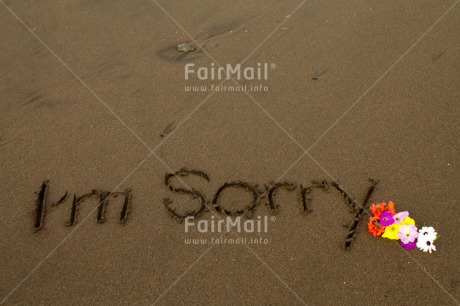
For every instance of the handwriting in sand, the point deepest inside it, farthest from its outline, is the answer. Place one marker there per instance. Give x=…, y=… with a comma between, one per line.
x=268, y=192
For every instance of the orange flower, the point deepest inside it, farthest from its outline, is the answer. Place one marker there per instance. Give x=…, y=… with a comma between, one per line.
x=377, y=209
x=391, y=207
x=374, y=227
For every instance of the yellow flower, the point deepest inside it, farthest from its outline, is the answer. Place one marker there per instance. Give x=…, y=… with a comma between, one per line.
x=391, y=231
x=408, y=221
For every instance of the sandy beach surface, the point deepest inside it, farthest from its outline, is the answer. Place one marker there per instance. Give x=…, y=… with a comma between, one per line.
x=93, y=96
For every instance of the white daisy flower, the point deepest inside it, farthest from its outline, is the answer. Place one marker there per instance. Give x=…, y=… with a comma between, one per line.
x=428, y=232
x=425, y=244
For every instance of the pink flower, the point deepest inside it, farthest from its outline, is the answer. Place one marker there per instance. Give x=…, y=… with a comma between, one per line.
x=407, y=233
x=400, y=216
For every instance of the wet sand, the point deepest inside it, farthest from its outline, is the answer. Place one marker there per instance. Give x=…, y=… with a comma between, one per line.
x=92, y=96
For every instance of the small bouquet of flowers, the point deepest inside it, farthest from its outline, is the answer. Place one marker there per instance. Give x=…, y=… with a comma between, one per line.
x=387, y=223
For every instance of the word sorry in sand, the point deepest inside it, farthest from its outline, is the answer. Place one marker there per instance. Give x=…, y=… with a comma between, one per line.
x=257, y=194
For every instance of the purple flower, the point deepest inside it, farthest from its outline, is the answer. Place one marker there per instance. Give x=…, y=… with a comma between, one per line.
x=386, y=218
x=408, y=246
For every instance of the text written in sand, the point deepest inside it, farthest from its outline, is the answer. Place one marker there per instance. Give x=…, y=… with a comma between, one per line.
x=266, y=193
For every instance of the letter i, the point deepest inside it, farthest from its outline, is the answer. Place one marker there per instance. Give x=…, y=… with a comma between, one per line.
x=40, y=206
x=212, y=71
x=212, y=224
